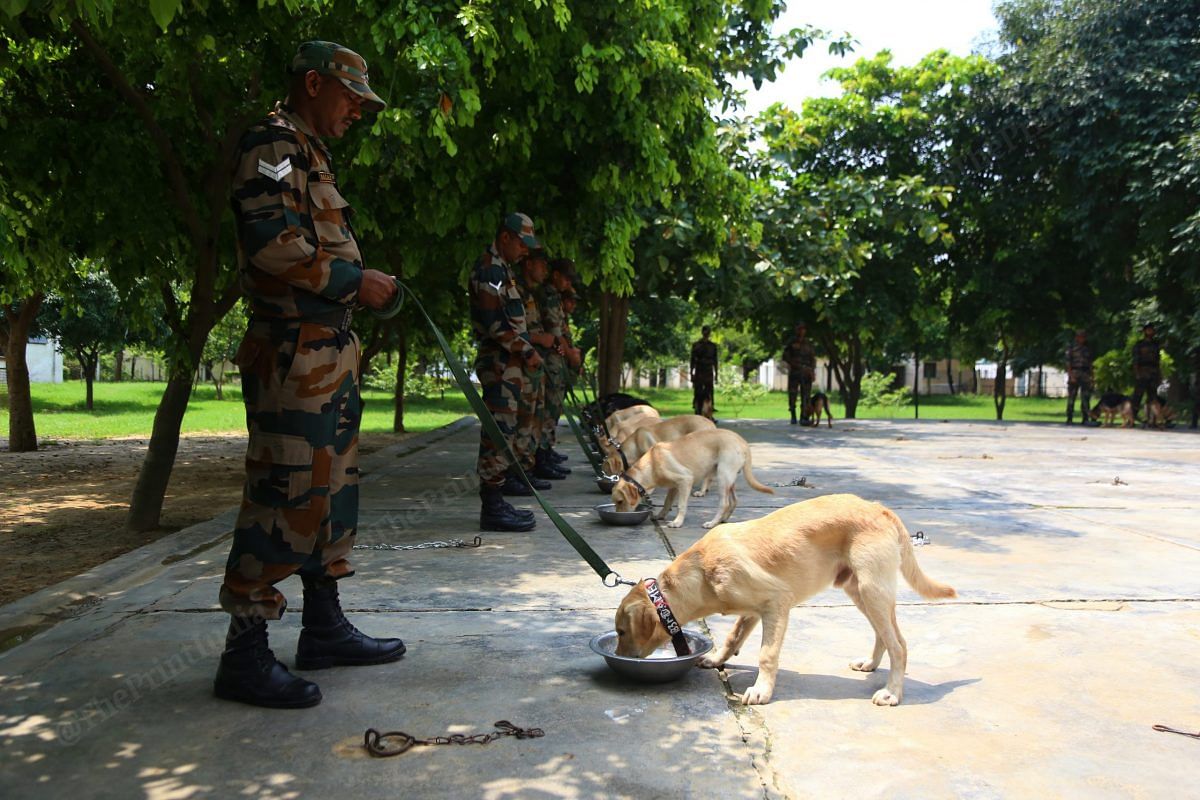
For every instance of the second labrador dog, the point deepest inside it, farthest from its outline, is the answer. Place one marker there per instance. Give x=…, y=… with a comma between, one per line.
x=646, y=434
x=761, y=568
x=706, y=455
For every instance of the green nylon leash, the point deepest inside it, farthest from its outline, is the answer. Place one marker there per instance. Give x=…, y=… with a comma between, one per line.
x=497, y=436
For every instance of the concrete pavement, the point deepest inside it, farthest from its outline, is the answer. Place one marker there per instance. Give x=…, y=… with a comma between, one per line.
x=1075, y=553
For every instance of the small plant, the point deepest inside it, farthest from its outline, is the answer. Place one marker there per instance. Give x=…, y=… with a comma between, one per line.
x=876, y=390
x=734, y=393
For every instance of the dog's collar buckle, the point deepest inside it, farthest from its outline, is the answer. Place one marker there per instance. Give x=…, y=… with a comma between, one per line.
x=667, y=617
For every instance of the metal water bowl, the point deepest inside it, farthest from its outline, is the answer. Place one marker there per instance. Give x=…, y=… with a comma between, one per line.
x=608, y=512
x=662, y=665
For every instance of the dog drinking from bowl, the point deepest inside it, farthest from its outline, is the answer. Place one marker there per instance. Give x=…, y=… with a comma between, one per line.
x=760, y=569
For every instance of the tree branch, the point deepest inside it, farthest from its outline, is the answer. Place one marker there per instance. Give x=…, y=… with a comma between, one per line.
x=166, y=150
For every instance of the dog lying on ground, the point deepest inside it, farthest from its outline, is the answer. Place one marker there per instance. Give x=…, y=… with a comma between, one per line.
x=761, y=568
x=817, y=403
x=705, y=455
x=646, y=434
x=1110, y=405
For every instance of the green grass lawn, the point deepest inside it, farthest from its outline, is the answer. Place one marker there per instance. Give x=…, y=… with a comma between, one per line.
x=963, y=406
x=127, y=409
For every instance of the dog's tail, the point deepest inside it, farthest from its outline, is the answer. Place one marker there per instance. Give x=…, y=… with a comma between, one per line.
x=921, y=583
x=751, y=481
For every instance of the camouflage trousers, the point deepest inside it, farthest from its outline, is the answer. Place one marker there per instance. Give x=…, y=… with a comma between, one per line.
x=556, y=391
x=299, y=508
x=511, y=396
x=531, y=417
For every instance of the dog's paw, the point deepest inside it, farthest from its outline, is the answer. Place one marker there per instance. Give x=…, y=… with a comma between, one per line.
x=698, y=493
x=675, y=523
x=756, y=696
x=885, y=698
x=710, y=524
x=708, y=662
x=863, y=665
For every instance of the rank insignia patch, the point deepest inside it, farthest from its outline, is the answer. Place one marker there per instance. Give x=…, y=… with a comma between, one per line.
x=275, y=172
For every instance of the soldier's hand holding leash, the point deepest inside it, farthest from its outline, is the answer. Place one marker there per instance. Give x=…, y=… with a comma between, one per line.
x=378, y=289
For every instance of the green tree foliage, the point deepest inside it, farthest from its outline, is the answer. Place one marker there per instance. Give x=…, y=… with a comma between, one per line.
x=1110, y=87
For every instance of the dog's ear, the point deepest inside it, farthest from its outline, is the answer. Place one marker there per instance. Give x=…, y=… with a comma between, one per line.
x=628, y=493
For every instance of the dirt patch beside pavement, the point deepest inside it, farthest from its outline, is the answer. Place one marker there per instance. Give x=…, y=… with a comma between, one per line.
x=63, y=508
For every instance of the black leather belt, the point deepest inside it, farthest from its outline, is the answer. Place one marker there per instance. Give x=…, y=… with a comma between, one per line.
x=338, y=319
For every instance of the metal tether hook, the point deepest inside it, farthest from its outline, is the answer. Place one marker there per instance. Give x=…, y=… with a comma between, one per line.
x=617, y=581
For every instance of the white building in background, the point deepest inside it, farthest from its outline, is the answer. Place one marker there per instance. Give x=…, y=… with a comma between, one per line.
x=44, y=360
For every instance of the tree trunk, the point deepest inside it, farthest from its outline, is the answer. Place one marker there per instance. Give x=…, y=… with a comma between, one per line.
x=614, y=322
x=916, y=384
x=662, y=377
x=119, y=365
x=87, y=364
x=22, y=434
x=999, y=395
x=949, y=375
x=145, y=507
x=1041, y=390
x=401, y=368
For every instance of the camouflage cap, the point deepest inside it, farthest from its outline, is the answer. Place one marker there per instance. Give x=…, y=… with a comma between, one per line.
x=329, y=58
x=522, y=225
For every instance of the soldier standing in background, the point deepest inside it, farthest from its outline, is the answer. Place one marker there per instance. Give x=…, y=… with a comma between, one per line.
x=801, y=361
x=562, y=275
x=531, y=417
x=498, y=321
x=1147, y=368
x=703, y=370
x=1079, y=377
x=302, y=272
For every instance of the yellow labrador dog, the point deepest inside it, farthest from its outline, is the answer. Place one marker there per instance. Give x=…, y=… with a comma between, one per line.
x=700, y=456
x=624, y=421
x=761, y=568
x=647, y=434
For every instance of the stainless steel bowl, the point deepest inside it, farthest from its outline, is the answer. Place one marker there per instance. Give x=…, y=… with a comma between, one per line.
x=608, y=512
x=662, y=665
x=605, y=485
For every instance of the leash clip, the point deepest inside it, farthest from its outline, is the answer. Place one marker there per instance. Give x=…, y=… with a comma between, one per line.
x=617, y=581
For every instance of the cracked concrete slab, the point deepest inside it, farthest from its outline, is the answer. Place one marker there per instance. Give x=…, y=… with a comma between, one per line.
x=1074, y=552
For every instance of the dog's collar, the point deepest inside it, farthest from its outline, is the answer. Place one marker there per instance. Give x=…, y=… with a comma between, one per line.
x=668, y=619
x=641, y=490
x=617, y=446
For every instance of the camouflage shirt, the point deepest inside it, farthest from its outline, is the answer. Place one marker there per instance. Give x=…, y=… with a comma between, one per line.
x=1146, y=359
x=704, y=357
x=550, y=303
x=296, y=249
x=799, y=354
x=497, y=308
x=1079, y=360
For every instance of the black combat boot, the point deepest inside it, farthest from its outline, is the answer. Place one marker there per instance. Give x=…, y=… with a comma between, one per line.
x=249, y=672
x=793, y=416
x=545, y=468
x=329, y=640
x=497, y=515
x=515, y=487
x=558, y=457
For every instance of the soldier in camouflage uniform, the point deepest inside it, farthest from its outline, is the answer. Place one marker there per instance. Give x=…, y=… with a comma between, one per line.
x=801, y=361
x=1147, y=367
x=505, y=353
x=531, y=417
x=562, y=274
x=303, y=274
x=703, y=370
x=1079, y=376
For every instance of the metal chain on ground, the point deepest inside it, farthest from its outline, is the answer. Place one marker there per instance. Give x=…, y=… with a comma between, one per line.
x=423, y=546
x=375, y=742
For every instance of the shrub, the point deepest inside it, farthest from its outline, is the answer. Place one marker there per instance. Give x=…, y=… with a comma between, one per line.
x=876, y=390
x=734, y=393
